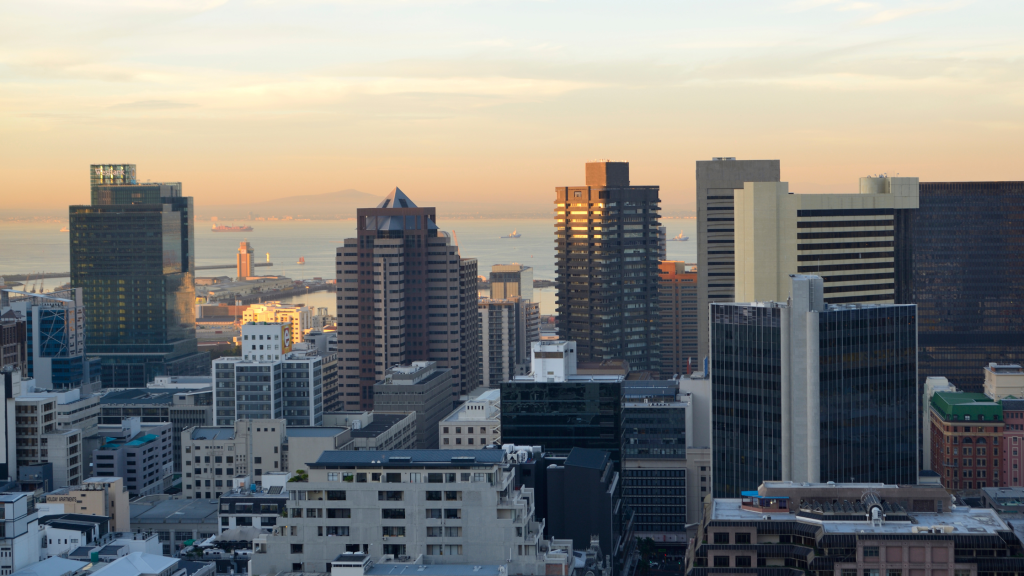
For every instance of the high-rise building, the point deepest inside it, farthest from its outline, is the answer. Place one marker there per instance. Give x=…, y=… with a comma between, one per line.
x=132, y=253
x=853, y=241
x=508, y=280
x=968, y=277
x=662, y=243
x=500, y=353
x=717, y=179
x=54, y=326
x=244, y=260
x=679, y=318
x=811, y=392
x=269, y=379
x=606, y=266
x=401, y=295
x=469, y=327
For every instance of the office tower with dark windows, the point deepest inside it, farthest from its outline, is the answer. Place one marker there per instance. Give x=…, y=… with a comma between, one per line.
x=469, y=328
x=717, y=179
x=132, y=253
x=812, y=392
x=606, y=266
x=679, y=318
x=853, y=241
x=400, y=297
x=968, y=277
x=508, y=280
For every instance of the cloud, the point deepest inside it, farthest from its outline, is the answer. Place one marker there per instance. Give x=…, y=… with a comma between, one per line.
x=154, y=105
x=891, y=14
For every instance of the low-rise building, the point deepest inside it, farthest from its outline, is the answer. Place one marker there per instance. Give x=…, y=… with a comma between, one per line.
x=20, y=535
x=64, y=533
x=376, y=430
x=105, y=496
x=140, y=453
x=421, y=387
x=253, y=506
x=849, y=529
x=460, y=505
x=44, y=433
x=175, y=521
x=474, y=424
x=142, y=564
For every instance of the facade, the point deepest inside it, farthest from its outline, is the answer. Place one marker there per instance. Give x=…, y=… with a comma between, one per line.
x=557, y=408
x=606, y=267
x=965, y=439
x=281, y=383
x=326, y=345
x=376, y=430
x=401, y=296
x=175, y=521
x=298, y=319
x=97, y=496
x=968, y=246
x=499, y=340
x=182, y=407
x=140, y=453
x=511, y=280
x=850, y=529
x=244, y=260
x=423, y=388
x=141, y=322
x=584, y=499
x=1002, y=380
x=1012, y=444
x=469, y=328
x=10, y=378
x=13, y=340
x=474, y=424
x=20, y=538
x=855, y=242
x=42, y=437
x=808, y=392
x=717, y=180
x=260, y=508
x=54, y=339
x=456, y=507
x=679, y=319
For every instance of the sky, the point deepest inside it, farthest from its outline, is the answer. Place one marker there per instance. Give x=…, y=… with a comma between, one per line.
x=501, y=100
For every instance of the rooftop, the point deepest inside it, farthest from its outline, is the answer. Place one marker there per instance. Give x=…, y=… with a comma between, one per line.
x=146, y=395
x=588, y=458
x=182, y=511
x=381, y=423
x=966, y=406
x=312, y=431
x=137, y=563
x=405, y=458
x=397, y=199
x=396, y=569
x=55, y=566
x=1005, y=496
x=213, y=433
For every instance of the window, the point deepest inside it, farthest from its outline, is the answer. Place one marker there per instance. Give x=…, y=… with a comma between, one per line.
x=454, y=531
x=335, y=494
x=435, y=478
x=393, y=513
x=743, y=561
x=871, y=551
x=452, y=495
x=296, y=566
x=894, y=572
x=433, y=496
x=393, y=531
x=453, y=513
x=433, y=531
x=339, y=512
x=445, y=440
x=871, y=572
x=849, y=572
x=721, y=537
x=296, y=548
x=332, y=476
x=392, y=477
x=391, y=496
x=720, y=561
x=337, y=530
x=744, y=538
x=433, y=513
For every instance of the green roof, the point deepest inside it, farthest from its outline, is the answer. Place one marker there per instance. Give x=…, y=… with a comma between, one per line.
x=967, y=407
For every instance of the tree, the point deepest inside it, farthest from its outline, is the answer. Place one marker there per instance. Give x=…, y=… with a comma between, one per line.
x=647, y=547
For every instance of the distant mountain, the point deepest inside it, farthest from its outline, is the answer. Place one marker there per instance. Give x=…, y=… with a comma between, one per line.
x=341, y=204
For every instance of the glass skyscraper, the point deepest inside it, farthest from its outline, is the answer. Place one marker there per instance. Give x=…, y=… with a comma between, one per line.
x=811, y=392
x=132, y=255
x=967, y=278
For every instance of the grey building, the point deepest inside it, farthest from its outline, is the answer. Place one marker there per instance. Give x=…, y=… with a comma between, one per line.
x=469, y=328
x=717, y=179
x=183, y=408
x=810, y=392
x=422, y=388
x=262, y=508
x=499, y=338
x=140, y=453
x=376, y=430
x=450, y=506
x=175, y=521
x=606, y=267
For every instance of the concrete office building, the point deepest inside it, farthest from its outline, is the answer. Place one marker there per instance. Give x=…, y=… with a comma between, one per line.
x=97, y=496
x=272, y=378
x=510, y=280
x=140, y=453
x=20, y=538
x=606, y=267
x=42, y=437
x=401, y=298
x=183, y=408
x=469, y=328
x=175, y=521
x=717, y=180
x=850, y=240
x=967, y=259
x=422, y=388
x=811, y=392
x=474, y=424
x=244, y=260
x=679, y=319
x=459, y=507
x=54, y=339
x=376, y=430
x=783, y=527
x=140, y=302
x=299, y=319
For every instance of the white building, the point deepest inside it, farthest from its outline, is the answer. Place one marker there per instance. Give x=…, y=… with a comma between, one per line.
x=474, y=424
x=20, y=539
x=44, y=431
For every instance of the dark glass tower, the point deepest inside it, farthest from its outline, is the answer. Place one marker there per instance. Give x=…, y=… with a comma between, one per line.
x=967, y=278
x=811, y=392
x=132, y=255
x=607, y=278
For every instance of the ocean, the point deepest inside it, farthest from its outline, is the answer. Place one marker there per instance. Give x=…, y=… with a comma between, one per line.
x=42, y=248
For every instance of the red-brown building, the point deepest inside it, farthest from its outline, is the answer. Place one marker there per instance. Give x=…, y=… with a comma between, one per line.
x=967, y=433
x=679, y=317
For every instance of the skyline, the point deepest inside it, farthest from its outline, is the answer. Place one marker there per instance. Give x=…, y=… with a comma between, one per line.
x=474, y=100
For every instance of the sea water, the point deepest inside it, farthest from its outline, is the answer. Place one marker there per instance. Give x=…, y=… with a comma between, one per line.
x=42, y=248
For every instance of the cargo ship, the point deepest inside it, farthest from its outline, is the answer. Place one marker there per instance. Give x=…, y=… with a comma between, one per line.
x=514, y=234
x=216, y=228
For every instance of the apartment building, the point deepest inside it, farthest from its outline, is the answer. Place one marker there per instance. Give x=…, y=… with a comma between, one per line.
x=41, y=439
x=474, y=424
x=299, y=319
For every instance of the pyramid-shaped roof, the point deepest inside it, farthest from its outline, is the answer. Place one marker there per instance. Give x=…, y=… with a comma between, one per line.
x=397, y=199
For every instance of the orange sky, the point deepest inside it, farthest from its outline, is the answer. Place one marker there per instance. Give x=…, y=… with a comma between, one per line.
x=500, y=100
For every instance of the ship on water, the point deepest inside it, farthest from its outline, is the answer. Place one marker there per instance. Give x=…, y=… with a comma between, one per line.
x=302, y=260
x=65, y=229
x=217, y=228
x=514, y=234
x=679, y=238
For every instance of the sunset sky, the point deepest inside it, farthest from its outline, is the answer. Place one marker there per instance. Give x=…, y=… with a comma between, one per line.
x=501, y=100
